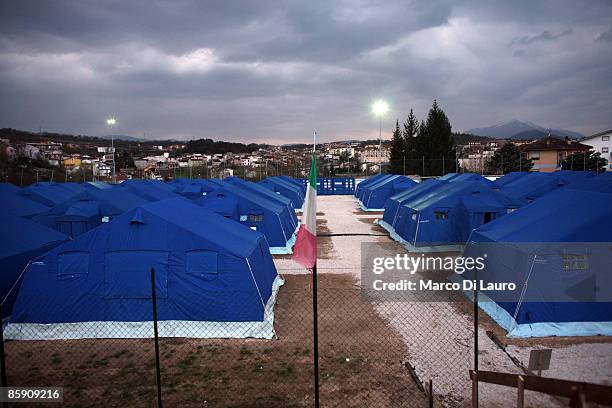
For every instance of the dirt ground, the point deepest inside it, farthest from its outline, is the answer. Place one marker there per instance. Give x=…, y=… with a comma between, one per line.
x=360, y=359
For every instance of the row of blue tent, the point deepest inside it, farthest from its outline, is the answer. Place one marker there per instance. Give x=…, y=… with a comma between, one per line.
x=533, y=226
x=443, y=212
x=73, y=221
x=557, y=250
x=373, y=192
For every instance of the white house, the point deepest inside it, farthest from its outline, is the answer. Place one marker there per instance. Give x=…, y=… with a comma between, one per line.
x=602, y=143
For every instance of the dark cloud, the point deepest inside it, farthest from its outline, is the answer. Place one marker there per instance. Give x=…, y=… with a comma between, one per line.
x=543, y=36
x=606, y=36
x=274, y=70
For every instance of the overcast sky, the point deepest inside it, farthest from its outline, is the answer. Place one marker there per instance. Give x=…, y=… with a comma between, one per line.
x=274, y=71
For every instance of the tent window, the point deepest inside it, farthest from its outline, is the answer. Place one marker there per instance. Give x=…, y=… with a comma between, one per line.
x=441, y=215
x=202, y=263
x=256, y=217
x=72, y=265
x=488, y=217
x=127, y=274
x=575, y=262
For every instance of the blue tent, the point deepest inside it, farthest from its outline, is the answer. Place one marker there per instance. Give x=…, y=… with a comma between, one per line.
x=259, y=213
x=149, y=189
x=446, y=216
x=214, y=279
x=23, y=241
x=529, y=188
x=551, y=249
x=98, y=185
x=194, y=188
x=88, y=209
x=286, y=189
x=394, y=203
x=8, y=188
x=468, y=177
x=361, y=185
x=510, y=178
x=263, y=192
x=375, y=194
x=295, y=182
x=51, y=194
x=17, y=203
x=450, y=176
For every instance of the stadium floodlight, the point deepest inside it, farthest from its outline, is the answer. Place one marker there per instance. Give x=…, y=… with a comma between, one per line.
x=111, y=122
x=380, y=109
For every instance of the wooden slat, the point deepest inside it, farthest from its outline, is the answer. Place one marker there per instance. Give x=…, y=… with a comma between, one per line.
x=600, y=394
x=520, y=395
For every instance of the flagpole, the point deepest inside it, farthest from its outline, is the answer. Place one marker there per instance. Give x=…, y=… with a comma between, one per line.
x=315, y=316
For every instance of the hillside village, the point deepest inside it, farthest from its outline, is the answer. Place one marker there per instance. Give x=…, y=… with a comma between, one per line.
x=29, y=157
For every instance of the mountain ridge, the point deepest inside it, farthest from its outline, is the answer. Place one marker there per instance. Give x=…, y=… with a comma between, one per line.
x=514, y=127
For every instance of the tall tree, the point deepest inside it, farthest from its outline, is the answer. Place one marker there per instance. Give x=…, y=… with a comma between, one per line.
x=411, y=129
x=585, y=161
x=396, y=154
x=435, y=143
x=507, y=159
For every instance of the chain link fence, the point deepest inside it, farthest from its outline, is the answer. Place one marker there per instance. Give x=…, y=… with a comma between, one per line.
x=371, y=353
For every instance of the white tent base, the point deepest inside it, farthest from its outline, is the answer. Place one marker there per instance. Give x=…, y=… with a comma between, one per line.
x=166, y=328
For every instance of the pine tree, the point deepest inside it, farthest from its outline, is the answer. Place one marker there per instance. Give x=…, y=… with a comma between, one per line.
x=411, y=129
x=396, y=155
x=507, y=159
x=435, y=143
x=585, y=161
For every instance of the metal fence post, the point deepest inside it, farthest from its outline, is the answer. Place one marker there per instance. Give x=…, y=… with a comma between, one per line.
x=157, y=365
x=475, y=391
x=315, y=336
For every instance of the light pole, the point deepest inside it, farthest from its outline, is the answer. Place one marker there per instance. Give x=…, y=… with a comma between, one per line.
x=111, y=122
x=380, y=108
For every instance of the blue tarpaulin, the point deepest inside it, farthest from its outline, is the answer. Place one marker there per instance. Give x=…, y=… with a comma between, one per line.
x=149, y=189
x=263, y=192
x=88, y=209
x=448, y=214
x=531, y=246
x=214, y=278
x=15, y=202
x=364, y=183
x=257, y=212
x=286, y=189
x=376, y=194
x=23, y=240
x=51, y=194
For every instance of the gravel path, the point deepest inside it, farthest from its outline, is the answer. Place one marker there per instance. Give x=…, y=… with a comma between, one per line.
x=439, y=335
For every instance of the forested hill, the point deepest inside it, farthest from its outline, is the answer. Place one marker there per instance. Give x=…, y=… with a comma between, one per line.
x=207, y=146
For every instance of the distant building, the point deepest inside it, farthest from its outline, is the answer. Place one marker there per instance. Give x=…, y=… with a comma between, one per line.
x=548, y=153
x=72, y=161
x=339, y=151
x=474, y=155
x=374, y=155
x=101, y=170
x=602, y=143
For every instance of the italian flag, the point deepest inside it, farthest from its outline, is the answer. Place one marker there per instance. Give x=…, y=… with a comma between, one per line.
x=305, y=250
